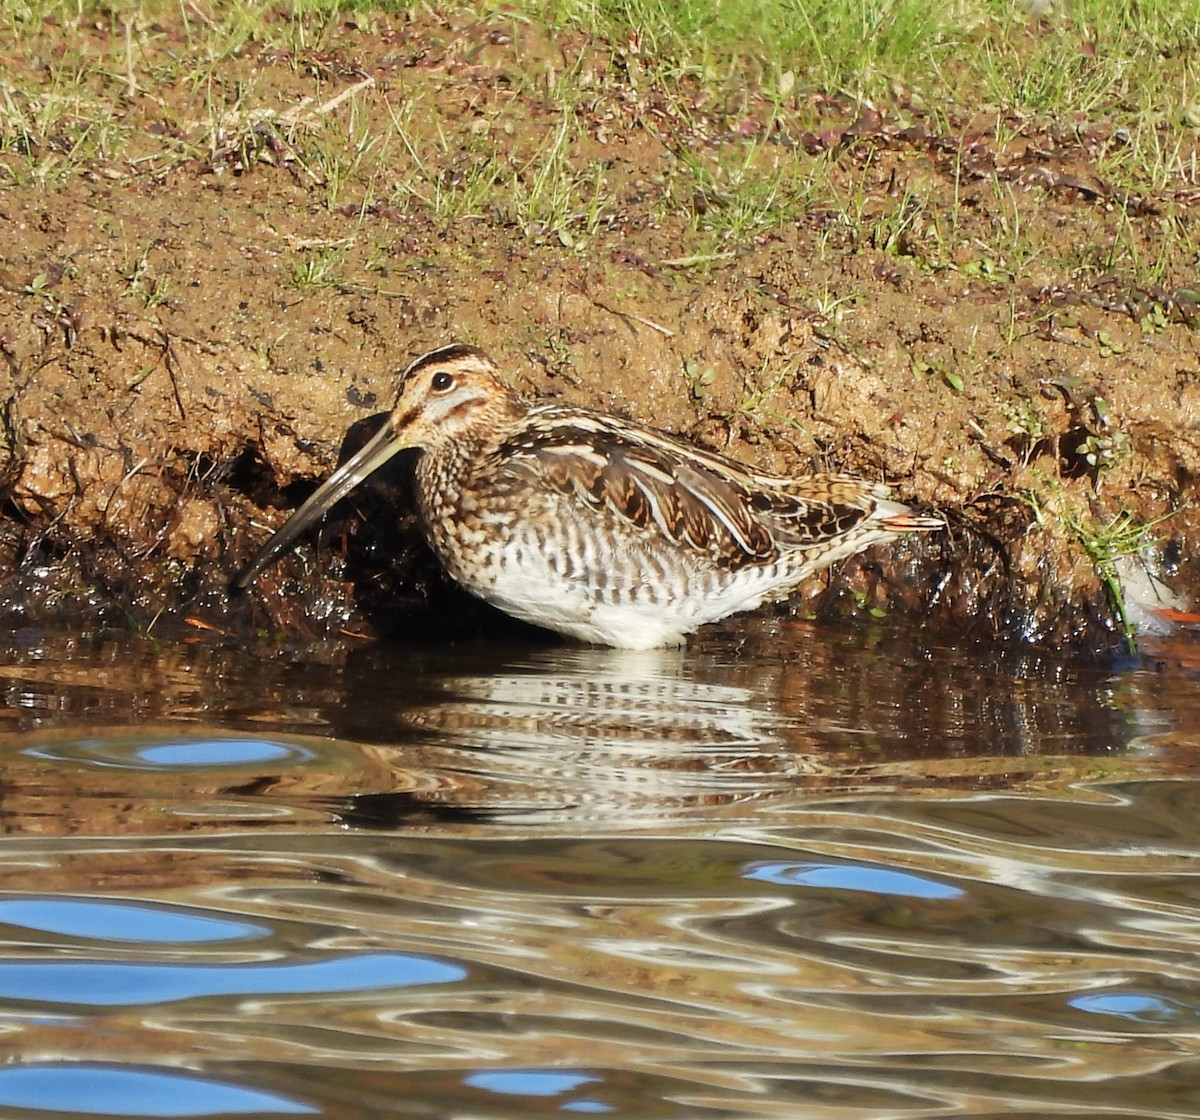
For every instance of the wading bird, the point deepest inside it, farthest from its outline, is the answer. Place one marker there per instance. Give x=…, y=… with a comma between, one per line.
x=592, y=525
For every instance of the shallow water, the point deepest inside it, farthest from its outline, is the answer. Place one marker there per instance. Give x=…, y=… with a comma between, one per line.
x=787, y=872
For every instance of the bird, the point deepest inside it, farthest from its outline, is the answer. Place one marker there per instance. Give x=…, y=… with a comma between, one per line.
x=602, y=529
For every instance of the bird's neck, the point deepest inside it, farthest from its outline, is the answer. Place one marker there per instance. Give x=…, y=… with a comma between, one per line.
x=454, y=459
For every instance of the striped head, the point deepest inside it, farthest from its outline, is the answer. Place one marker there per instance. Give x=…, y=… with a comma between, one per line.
x=450, y=401
x=450, y=396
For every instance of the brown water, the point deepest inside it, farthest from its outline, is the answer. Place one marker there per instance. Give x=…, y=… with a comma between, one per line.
x=803, y=873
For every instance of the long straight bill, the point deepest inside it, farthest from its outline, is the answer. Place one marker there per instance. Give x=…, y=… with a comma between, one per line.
x=364, y=462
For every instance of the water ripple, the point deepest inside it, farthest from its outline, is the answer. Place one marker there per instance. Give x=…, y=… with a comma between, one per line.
x=123, y=983
x=825, y=877
x=85, y=1090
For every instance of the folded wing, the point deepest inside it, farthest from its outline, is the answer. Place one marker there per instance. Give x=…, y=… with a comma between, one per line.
x=695, y=499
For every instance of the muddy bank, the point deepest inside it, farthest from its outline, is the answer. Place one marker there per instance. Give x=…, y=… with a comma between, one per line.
x=197, y=307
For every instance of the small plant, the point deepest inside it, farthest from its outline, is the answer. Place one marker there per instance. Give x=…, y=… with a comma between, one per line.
x=952, y=379
x=830, y=315
x=318, y=270
x=1104, y=445
x=1025, y=418
x=900, y=231
x=153, y=290
x=757, y=390
x=699, y=377
x=862, y=602
x=1026, y=422
x=56, y=312
x=1104, y=451
x=986, y=268
x=1097, y=443
x=733, y=200
x=1105, y=543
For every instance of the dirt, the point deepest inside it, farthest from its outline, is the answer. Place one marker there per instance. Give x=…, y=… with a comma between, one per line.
x=192, y=325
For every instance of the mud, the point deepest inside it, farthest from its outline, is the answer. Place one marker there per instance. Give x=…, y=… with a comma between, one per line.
x=196, y=310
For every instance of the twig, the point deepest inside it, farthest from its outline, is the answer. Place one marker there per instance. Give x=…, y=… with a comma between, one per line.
x=131, y=85
x=124, y=479
x=172, y=361
x=297, y=114
x=625, y=314
x=698, y=258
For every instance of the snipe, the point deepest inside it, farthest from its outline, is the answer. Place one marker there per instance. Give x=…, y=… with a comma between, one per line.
x=593, y=525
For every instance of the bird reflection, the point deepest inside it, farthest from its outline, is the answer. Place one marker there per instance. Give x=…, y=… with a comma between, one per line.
x=595, y=733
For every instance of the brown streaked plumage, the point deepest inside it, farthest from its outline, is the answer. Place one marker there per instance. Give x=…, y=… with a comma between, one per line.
x=595, y=526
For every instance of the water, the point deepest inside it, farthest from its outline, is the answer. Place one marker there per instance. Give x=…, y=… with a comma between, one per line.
x=787, y=872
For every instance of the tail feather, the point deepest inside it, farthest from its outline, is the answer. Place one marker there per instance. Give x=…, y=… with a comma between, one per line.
x=909, y=522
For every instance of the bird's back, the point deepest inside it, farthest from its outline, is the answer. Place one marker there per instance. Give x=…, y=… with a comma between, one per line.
x=618, y=533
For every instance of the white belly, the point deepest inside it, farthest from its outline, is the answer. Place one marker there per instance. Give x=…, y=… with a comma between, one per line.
x=585, y=573
x=580, y=586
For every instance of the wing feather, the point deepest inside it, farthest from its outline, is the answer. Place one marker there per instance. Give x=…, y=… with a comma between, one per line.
x=697, y=499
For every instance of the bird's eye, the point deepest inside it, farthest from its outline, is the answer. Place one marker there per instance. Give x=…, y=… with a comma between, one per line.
x=442, y=382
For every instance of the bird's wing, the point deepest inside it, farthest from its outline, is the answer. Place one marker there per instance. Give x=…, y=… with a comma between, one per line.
x=696, y=499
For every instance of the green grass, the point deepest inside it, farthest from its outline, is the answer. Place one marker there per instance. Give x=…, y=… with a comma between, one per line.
x=540, y=187
x=1106, y=543
x=727, y=88
x=831, y=45
x=318, y=269
x=1104, y=54
x=1135, y=64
